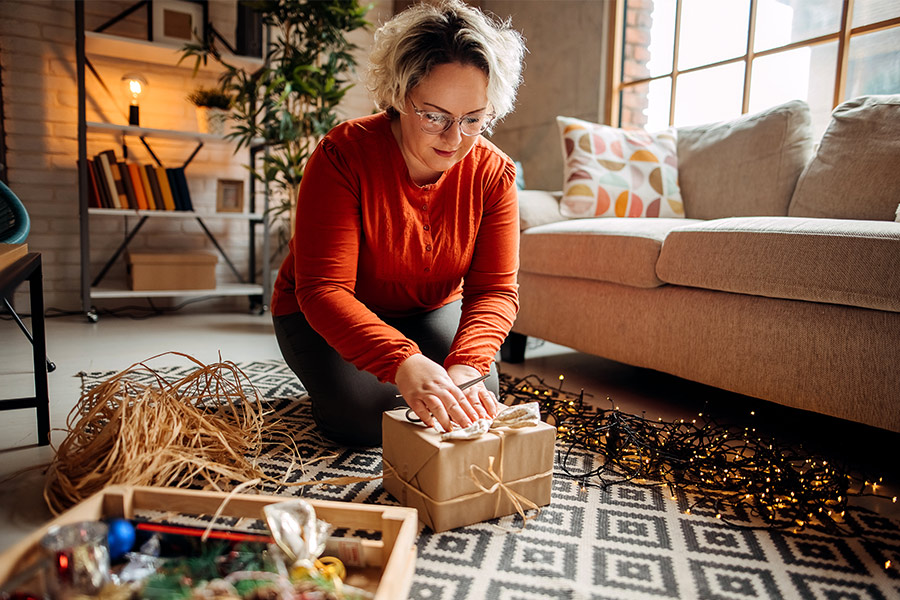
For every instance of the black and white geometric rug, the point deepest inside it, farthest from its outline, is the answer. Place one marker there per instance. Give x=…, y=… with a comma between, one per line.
x=628, y=542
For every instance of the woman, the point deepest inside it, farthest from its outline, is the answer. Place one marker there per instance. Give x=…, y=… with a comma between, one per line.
x=401, y=276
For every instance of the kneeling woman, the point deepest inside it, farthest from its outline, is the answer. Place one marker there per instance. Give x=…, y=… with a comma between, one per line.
x=401, y=276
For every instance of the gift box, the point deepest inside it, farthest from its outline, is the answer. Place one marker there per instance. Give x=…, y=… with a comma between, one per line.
x=454, y=483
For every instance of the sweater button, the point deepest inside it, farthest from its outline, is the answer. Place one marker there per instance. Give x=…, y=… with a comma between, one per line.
x=428, y=248
x=427, y=269
x=426, y=227
x=424, y=207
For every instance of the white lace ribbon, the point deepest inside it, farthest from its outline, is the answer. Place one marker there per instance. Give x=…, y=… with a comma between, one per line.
x=520, y=415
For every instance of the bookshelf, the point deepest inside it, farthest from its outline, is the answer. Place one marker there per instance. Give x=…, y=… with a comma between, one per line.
x=93, y=285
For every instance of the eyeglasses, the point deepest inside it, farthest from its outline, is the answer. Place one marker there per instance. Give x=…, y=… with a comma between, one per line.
x=436, y=123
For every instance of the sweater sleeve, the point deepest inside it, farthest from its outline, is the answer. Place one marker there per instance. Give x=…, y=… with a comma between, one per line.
x=326, y=246
x=490, y=290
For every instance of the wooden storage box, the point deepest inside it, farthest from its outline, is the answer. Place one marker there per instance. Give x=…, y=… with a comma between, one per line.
x=385, y=567
x=172, y=271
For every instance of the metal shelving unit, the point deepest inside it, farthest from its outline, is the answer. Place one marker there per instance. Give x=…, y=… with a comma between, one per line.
x=92, y=286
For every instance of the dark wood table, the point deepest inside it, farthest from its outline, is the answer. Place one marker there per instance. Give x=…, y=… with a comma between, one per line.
x=28, y=268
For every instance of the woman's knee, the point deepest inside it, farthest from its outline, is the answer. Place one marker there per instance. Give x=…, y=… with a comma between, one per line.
x=351, y=419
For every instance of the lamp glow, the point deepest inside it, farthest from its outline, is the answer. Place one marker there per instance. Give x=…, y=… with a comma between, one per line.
x=134, y=85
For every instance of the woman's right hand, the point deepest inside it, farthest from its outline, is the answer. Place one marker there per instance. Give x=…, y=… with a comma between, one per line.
x=431, y=394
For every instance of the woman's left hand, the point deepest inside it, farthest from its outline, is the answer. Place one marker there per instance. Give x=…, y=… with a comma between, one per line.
x=482, y=399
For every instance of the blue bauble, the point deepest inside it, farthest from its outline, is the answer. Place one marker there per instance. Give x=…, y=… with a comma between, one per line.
x=120, y=538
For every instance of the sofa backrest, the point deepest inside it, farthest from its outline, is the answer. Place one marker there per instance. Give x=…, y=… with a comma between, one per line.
x=855, y=173
x=745, y=167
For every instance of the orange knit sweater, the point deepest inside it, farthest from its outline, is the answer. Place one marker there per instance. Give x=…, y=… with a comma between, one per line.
x=370, y=242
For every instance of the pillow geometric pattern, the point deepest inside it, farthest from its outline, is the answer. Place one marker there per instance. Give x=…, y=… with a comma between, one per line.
x=612, y=172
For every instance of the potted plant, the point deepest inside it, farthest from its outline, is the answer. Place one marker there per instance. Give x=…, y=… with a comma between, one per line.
x=212, y=106
x=288, y=104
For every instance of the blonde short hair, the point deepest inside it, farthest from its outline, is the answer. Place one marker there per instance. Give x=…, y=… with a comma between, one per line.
x=424, y=36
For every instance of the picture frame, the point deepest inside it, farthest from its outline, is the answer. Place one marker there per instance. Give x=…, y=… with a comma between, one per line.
x=174, y=21
x=230, y=196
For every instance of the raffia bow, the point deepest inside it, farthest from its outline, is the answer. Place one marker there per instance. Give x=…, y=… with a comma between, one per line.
x=517, y=499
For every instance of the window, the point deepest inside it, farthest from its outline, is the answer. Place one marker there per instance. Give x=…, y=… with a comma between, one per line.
x=685, y=62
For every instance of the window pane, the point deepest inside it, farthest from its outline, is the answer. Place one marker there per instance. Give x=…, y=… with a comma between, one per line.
x=709, y=95
x=646, y=105
x=866, y=12
x=712, y=30
x=805, y=74
x=874, y=64
x=649, y=39
x=781, y=22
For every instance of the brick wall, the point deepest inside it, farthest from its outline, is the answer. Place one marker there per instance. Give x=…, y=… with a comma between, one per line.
x=37, y=50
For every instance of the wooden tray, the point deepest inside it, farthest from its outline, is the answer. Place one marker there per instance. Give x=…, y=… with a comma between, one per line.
x=388, y=563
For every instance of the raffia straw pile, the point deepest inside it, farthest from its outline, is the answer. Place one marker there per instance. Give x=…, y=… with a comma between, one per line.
x=204, y=430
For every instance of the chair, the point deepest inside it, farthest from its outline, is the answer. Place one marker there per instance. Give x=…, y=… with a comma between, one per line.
x=14, y=228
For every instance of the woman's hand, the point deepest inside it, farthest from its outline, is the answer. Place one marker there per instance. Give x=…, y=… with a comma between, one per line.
x=482, y=399
x=431, y=392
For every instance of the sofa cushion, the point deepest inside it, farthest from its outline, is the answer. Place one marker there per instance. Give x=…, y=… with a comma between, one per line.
x=614, y=250
x=745, y=167
x=538, y=207
x=837, y=261
x=612, y=172
x=855, y=173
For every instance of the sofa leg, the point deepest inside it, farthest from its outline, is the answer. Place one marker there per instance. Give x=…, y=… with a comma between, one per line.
x=513, y=348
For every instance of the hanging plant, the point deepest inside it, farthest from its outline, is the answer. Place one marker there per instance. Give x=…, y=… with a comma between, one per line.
x=288, y=105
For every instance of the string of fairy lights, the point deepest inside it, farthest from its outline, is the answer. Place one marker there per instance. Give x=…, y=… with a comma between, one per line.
x=728, y=470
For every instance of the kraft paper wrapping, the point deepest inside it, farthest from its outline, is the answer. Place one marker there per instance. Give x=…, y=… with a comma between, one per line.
x=436, y=477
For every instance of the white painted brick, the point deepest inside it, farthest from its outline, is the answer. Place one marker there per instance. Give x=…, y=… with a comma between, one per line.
x=55, y=240
x=36, y=81
x=19, y=111
x=64, y=226
x=10, y=26
x=62, y=34
x=37, y=12
x=29, y=191
x=14, y=46
x=36, y=142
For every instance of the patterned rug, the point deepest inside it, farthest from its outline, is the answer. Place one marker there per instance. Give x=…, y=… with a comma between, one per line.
x=628, y=542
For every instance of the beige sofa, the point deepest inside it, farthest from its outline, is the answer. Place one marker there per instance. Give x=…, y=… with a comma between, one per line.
x=782, y=282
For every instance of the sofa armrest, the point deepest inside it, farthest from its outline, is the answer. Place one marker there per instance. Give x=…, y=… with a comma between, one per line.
x=538, y=207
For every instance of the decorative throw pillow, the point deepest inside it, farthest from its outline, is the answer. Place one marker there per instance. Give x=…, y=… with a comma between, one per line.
x=612, y=172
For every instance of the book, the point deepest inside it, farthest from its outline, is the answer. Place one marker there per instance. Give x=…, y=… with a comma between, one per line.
x=183, y=191
x=118, y=185
x=134, y=174
x=102, y=185
x=158, y=200
x=94, y=199
x=173, y=185
x=109, y=179
x=10, y=253
x=127, y=185
x=165, y=190
x=145, y=183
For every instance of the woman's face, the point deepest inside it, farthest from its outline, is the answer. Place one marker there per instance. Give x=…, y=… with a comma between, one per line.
x=456, y=90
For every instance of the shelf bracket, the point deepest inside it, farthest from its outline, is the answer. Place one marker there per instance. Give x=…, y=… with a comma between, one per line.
x=193, y=154
x=221, y=250
x=118, y=252
x=149, y=149
x=124, y=14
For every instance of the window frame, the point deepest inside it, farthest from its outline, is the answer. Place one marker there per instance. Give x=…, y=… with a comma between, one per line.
x=615, y=85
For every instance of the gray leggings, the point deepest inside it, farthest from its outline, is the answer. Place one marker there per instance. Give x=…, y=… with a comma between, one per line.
x=347, y=403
